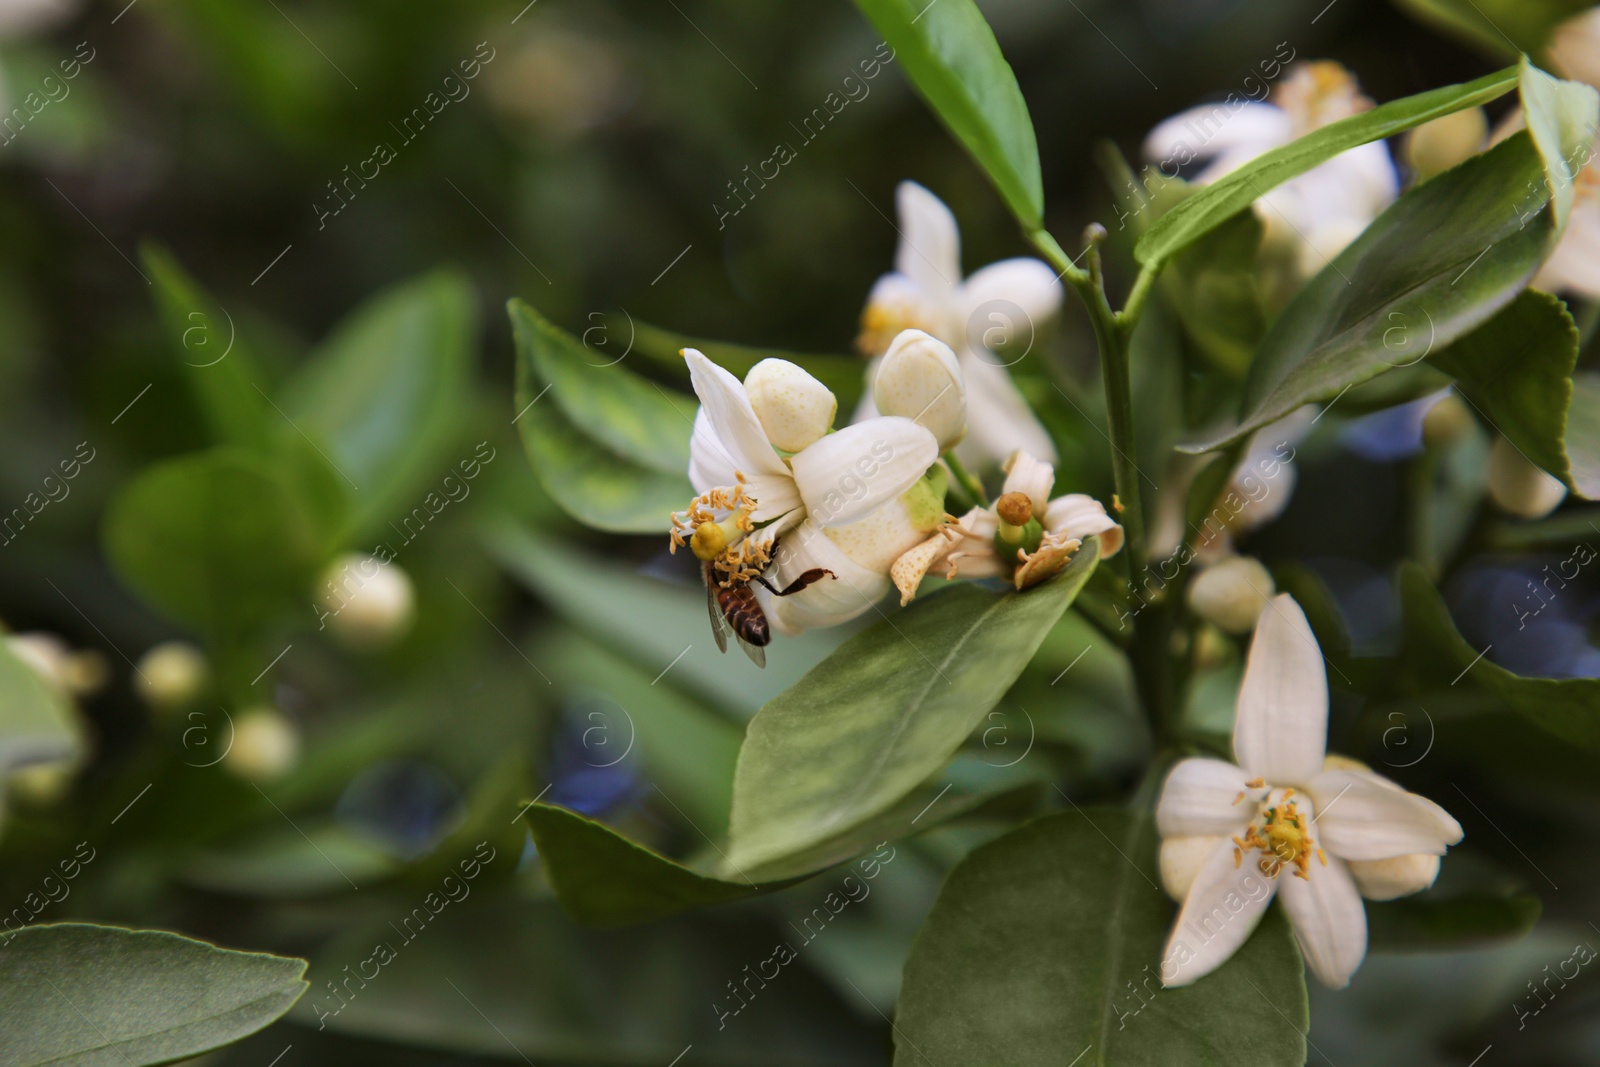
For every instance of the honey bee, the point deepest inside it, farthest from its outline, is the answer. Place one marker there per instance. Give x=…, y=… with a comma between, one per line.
x=736, y=609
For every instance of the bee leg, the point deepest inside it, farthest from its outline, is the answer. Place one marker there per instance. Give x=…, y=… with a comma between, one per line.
x=808, y=578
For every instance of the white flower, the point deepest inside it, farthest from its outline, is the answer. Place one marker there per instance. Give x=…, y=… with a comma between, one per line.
x=779, y=492
x=172, y=674
x=1320, y=211
x=999, y=307
x=1289, y=821
x=265, y=745
x=1027, y=534
x=367, y=602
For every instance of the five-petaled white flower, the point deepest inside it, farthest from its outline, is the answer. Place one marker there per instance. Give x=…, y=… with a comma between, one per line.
x=1319, y=831
x=997, y=307
x=1320, y=211
x=1027, y=535
x=767, y=466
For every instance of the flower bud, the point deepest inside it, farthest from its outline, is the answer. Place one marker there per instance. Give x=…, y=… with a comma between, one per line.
x=1446, y=422
x=920, y=379
x=1519, y=487
x=369, y=603
x=1435, y=147
x=74, y=673
x=1232, y=594
x=795, y=409
x=1397, y=877
x=172, y=674
x=266, y=745
x=1180, y=861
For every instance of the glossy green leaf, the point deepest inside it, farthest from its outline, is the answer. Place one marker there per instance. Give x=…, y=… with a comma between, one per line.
x=603, y=879
x=219, y=368
x=1047, y=945
x=1214, y=290
x=1516, y=370
x=611, y=448
x=216, y=539
x=952, y=58
x=1438, y=263
x=1450, y=924
x=1226, y=197
x=1561, y=117
x=1583, y=435
x=884, y=713
x=76, y=995
x=1501, y=28
x=1569, y=708
x=37, y=724
x=385, y=395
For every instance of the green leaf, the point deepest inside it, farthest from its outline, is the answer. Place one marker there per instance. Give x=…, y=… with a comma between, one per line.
x=1561, y=118
x=952, y=58
x=215, y=539
x=1516, y=369
x=611, y=448
x=1439, y=262
x=385, y=394
x=220, y=369
x=1568, y=708
x=1502, y=28
x=1214, y=290
x=603, y=879
x=37, y=724
x=884, y=713
x=844, y=375
x=76, y=995
x=1047, y=944
x=1227, y=196
x=1450, y=924
x=1583, y=436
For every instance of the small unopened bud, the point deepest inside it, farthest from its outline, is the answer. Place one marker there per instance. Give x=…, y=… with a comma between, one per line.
x=1232, y=594
x=1517, y=486
x=921, y=380
x=266, y=745
x=1435, y=147
x=1014, y=509
x=1446, y=422
x=369, y=603
x=172, y=674
x=708, y=541
x=42, y=784
x=794, y=408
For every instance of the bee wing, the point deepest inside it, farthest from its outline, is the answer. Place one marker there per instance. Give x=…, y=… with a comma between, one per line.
x=757, y=654
x=719, y=625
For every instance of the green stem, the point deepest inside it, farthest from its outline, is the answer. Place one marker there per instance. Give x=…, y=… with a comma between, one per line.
x=968, y=483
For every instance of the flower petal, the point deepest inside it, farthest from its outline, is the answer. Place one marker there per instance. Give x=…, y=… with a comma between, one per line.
x=1017, y=296
x=1362, y=817
x=1081, y=516
x=897, y=303
x=1032, y=477
x=851, y=473
x=737, y=431
x=1201, y=796
x=1181, y=859
x=852, y=590
x=1329, y=922
x=999, y=421
x=1280, y=727
x=1393, y=878
x=710, y=465
x=1224, y=904
x=929, y=252
x=1213, y=129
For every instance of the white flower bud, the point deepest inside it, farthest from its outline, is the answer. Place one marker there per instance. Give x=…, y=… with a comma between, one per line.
x=369, y=603
x=920, y=379
x=1232, y=594
x=266, y=745
x=172, y=674
x=795, y=409
x=74, y=673
x=1397, y=877
x=1181, y=858
x=1435, y=147
x=1517, y=486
